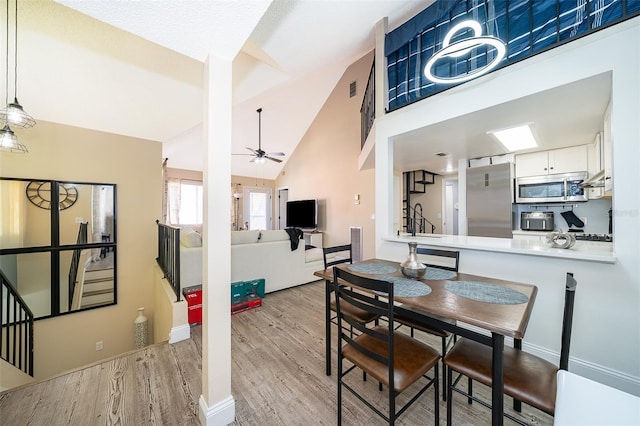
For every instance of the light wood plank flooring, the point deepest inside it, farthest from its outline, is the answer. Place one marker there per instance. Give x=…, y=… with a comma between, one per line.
x=278, y=378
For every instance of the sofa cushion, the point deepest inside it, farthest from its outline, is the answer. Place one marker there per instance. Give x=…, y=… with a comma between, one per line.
x=274, y=235
x=190, y=238
x=312, y=255
x=244, y=237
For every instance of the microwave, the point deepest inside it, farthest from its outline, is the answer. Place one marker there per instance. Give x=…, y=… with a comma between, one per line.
x=558, y=188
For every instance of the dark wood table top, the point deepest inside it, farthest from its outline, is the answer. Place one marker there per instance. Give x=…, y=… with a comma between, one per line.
x=506, y=319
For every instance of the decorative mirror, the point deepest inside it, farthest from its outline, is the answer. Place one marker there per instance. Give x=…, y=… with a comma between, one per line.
x=60, y=260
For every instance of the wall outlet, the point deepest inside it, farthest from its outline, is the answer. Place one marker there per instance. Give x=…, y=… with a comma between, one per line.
x=99, y=346
x=79, y=220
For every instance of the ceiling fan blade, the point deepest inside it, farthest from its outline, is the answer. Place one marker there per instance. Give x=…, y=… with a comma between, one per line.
x=277, y=154
x=277, y=160
x=253, y=160
x=242, y=154
x=252, y=150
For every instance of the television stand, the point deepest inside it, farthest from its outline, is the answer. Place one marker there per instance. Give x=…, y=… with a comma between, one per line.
x=313, y=238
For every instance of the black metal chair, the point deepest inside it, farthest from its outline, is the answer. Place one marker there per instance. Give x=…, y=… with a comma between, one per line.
x=527, y=378
x=396, y=360
x=447, y=260
x=330, y=305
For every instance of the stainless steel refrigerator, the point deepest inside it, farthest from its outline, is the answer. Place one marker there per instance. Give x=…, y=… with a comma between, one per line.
x=489, y=200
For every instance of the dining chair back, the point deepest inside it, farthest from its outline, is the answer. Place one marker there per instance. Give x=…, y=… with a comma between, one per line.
x=441, y=259
x=395, y=360
x=527, y=378
x=438, y=258
x=333, y=256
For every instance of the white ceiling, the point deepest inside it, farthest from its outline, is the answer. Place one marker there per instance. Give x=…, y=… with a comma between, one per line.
x=565, y=116
x=288, y=66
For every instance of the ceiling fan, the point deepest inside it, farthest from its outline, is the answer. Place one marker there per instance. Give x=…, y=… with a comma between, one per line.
x=259, y=156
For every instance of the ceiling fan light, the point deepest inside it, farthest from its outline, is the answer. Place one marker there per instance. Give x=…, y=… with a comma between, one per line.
x=260, y=160
x=9, y=142
x=15, y=115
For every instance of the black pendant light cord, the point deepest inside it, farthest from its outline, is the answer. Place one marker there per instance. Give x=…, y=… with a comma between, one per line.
x=6, y=77
x=15, y=50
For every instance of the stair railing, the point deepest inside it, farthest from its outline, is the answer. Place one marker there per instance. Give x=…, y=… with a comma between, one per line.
x=16, y=338
x=417, y=220
x=368, y=108
x=169, y=255
x=75, y=261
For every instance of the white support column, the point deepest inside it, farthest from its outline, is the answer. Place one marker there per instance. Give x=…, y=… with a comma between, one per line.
x=217, y=406
x=381, y=81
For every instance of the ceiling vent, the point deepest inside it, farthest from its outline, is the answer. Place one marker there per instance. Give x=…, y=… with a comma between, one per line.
x=352, y=89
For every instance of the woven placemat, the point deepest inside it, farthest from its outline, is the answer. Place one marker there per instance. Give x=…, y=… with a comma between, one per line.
x=372, y=268
x=438, y=274
x=406, y=287
x=484, y=292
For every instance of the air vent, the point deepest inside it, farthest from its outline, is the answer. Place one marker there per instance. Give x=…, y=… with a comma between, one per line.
x=352, y=89
x=356, y=243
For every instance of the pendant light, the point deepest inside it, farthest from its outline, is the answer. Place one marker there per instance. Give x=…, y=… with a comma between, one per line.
x=14, y=114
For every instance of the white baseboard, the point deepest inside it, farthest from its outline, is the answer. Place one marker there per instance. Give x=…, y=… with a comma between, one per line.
x=179, y=333
x=223, y=413
x=598, y=373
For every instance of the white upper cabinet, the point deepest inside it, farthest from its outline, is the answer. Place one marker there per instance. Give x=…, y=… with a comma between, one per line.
x=564, y=160
x=607, y=151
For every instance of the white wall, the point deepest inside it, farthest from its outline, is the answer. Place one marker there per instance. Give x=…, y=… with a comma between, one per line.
x=606, y=332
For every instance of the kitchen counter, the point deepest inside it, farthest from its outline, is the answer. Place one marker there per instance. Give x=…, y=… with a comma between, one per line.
x=592, y=251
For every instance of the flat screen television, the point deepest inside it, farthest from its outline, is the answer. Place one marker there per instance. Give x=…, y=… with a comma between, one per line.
x=302, y=214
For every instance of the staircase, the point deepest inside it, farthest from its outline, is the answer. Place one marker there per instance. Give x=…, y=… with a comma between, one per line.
x=415, y=182
x=16, y=333
x=97, y=288
x=94, y=285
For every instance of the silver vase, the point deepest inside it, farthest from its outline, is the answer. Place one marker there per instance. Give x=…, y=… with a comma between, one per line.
x=411, y=267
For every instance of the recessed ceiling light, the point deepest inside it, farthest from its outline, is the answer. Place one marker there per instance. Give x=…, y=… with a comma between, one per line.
x=515, y=138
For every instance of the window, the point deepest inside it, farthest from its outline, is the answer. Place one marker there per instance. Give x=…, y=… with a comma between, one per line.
x=184, y=202
x=190, y=203
x=257, y=207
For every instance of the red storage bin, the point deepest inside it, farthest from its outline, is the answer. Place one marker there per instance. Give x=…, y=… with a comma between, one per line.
x=193, y=296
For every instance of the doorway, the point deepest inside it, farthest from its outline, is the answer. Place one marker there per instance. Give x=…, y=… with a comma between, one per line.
x=450, y=206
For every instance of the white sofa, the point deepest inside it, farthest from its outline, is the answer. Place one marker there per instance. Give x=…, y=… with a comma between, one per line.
x=254, y=254
x=268, y=255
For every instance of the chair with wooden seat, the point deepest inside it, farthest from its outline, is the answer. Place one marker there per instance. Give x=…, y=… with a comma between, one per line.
x=527, y=378
x=356, y=314
x=442, y=259
x=396, y=360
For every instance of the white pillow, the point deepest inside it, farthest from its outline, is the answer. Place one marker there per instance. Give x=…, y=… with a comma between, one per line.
x=190, y=238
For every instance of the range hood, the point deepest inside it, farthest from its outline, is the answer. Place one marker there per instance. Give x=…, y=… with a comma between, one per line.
x=595, y=181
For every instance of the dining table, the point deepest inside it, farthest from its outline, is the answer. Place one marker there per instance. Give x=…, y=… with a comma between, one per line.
x=483, y=309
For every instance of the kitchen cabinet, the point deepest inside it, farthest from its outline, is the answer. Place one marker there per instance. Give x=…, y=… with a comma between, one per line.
x=595, y=158
x=555, y=161
x=607, y=151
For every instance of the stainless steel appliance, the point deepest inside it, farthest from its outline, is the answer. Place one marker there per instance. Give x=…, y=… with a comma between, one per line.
x=560, y=188
x=536, y=221
x=489, y=200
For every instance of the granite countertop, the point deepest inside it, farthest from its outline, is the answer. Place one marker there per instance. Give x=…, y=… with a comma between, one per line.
x=593, y=251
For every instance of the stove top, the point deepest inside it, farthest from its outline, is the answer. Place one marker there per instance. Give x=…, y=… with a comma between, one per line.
x=594, y=237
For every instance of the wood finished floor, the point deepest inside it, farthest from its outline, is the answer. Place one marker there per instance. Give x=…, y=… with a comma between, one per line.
x=278, y=378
